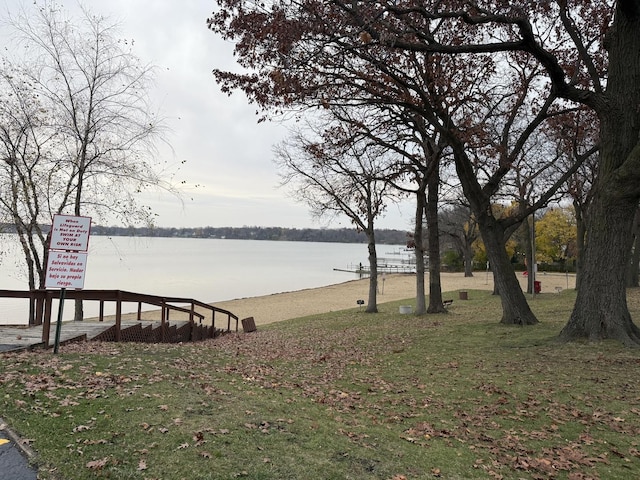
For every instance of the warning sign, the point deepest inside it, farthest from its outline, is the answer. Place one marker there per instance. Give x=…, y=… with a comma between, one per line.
x=70, y=233
x=67, y=262
x=66, y=270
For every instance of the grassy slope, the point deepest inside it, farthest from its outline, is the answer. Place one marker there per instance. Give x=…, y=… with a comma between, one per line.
x=339, y=396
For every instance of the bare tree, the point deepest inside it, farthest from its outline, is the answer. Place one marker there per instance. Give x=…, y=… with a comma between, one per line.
x=27, y=170
x=418, y=152
x=424, y=169
x=422, y=154
x=334, y=174
x=94, y=92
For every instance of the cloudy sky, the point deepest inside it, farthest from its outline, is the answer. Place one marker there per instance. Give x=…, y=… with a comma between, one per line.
x=226, y=151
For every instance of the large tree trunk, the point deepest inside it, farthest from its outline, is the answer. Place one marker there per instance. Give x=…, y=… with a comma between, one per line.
x=515, y=309
x=372, y=304
x=418, y=236
x=78, y=315
x=431, y=211
x=601, y=311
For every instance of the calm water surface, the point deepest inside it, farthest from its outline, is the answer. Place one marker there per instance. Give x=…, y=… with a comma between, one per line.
x=208, y=270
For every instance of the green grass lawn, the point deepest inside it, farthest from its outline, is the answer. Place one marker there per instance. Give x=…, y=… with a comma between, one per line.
x=346, y=395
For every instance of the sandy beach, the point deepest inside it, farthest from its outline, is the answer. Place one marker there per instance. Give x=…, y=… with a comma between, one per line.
x=287, y=305
x=284, y=306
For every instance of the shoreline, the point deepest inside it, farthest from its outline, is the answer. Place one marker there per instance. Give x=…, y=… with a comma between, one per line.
x=278, y=307
x=285, y=306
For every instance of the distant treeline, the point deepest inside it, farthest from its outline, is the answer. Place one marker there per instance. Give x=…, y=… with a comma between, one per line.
x=337, y=235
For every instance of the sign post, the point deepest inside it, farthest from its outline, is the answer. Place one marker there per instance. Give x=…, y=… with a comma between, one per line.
x=56, y=344
x=67, y=259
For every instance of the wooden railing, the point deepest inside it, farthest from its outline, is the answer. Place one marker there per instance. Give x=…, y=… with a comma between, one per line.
x=40, y=307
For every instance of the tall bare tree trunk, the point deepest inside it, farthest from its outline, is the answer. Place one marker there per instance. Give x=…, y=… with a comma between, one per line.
x=372, y=302
x=515, y=309
x=431, y=214
x=418, y=235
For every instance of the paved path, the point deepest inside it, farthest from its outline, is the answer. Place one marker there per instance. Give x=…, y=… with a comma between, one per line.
x=14, y=462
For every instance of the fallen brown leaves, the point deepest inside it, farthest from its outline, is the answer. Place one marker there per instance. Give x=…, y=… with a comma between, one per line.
x=542, y=451
x=499, y=416
x=98, y=464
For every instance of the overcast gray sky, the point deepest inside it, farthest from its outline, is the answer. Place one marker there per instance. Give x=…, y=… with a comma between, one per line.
x=226, y=151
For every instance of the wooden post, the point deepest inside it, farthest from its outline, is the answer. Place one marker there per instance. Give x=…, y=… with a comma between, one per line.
x=118, y=314
x=39, y=308
x=46, y=321
x=164, y=317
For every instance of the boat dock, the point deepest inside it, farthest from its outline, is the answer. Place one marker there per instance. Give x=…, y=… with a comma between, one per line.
x=364, y=271
x=402, y=261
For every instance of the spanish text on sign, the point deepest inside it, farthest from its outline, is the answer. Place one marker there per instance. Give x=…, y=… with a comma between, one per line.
x=66, y=270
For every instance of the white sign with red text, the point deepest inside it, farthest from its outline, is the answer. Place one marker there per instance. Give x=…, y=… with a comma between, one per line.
x=68, y=247
x=70, y=233
x=65, y=269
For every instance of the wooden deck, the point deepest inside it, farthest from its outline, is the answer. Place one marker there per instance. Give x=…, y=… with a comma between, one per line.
x=203, y=320
x=21, y=338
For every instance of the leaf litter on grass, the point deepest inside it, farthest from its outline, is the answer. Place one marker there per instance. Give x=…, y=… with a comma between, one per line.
x=446, y=397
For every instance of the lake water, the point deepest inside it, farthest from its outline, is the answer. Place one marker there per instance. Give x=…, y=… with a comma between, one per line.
x=208, y=270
